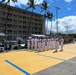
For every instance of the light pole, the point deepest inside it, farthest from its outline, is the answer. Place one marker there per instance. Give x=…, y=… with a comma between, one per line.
x=57, y=8
x=67, y=29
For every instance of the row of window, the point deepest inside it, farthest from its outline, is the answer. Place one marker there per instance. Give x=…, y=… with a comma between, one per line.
x=14, y=37
x=21, y=21
x=36, y=26
x=20, y=11
x=21, y=33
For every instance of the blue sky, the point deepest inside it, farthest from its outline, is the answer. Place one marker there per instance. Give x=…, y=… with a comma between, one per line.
x=66, y=14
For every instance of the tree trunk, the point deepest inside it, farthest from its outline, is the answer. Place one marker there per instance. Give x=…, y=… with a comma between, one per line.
x=51, y=26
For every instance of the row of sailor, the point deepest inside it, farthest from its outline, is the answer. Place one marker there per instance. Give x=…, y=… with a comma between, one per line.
x=41, y=44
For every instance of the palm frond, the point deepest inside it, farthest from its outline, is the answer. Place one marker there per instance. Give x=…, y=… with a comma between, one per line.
x=51, y=16
x=27, y=8
x=42, y=10
x=48, y=13
x=8, y=1
x=44, y=6
x=45, y=15
x=15, y=0
x=34, y=7
x=32, y=4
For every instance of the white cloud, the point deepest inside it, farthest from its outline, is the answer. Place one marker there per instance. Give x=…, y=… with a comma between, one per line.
x=69, y=21
x=68, y=1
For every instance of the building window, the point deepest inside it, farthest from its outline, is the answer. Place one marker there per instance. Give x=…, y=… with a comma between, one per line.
x=2, y=25
x=9, y=31
x=3, y=13
x=24, y=13
x=9, y=20
x=24, y=32
x=3, y=8
x=3, y=19
x=24, y=27
x=19, y=27
x=20, y=32
x=20, y=17
x=10, y=15
x=15, y=27
x=2, y=31
x=14, y=21
x=15, y=16
x=9, y=26
x=24, y=22
x=20, y=22
x=24, y=18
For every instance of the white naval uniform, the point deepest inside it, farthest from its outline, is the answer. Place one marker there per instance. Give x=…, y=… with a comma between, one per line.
x=54, y=41
x=73, y=40
x=39, y=45
x=43, y=44
x=32, y=43
x=62, y=43
x=48, y=44
x=56, y=44
x=51, y=43
x=35, y=43
x=28, y=43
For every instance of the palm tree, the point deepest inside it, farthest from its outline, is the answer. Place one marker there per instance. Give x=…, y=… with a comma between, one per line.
x=31, y=4
x=50, y=17
x=44, y=7
x=8, y=9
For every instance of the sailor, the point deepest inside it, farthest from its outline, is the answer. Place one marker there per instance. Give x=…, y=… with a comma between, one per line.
x=62, y=43
x=29, y=43
x=35, y=43
x=39, y=44
x=56, y=43
x=43, y=44
x=48, y=43
x=51, y=42
x=32, y=43
x=73, y=40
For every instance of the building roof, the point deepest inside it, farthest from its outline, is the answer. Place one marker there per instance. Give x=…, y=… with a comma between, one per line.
x=38, y=35
x=2, y=34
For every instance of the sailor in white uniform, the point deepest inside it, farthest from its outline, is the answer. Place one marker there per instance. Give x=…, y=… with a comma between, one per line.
x=48, y=44
x=51, y=43
x=62, y=43
x=32, y=43
x=28, y=43
x=43, y=44
x=56, y=44
x=35, y=43
x=39, y=44
x=73, y=40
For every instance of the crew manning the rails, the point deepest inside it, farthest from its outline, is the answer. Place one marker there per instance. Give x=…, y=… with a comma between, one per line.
x=43, y=43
